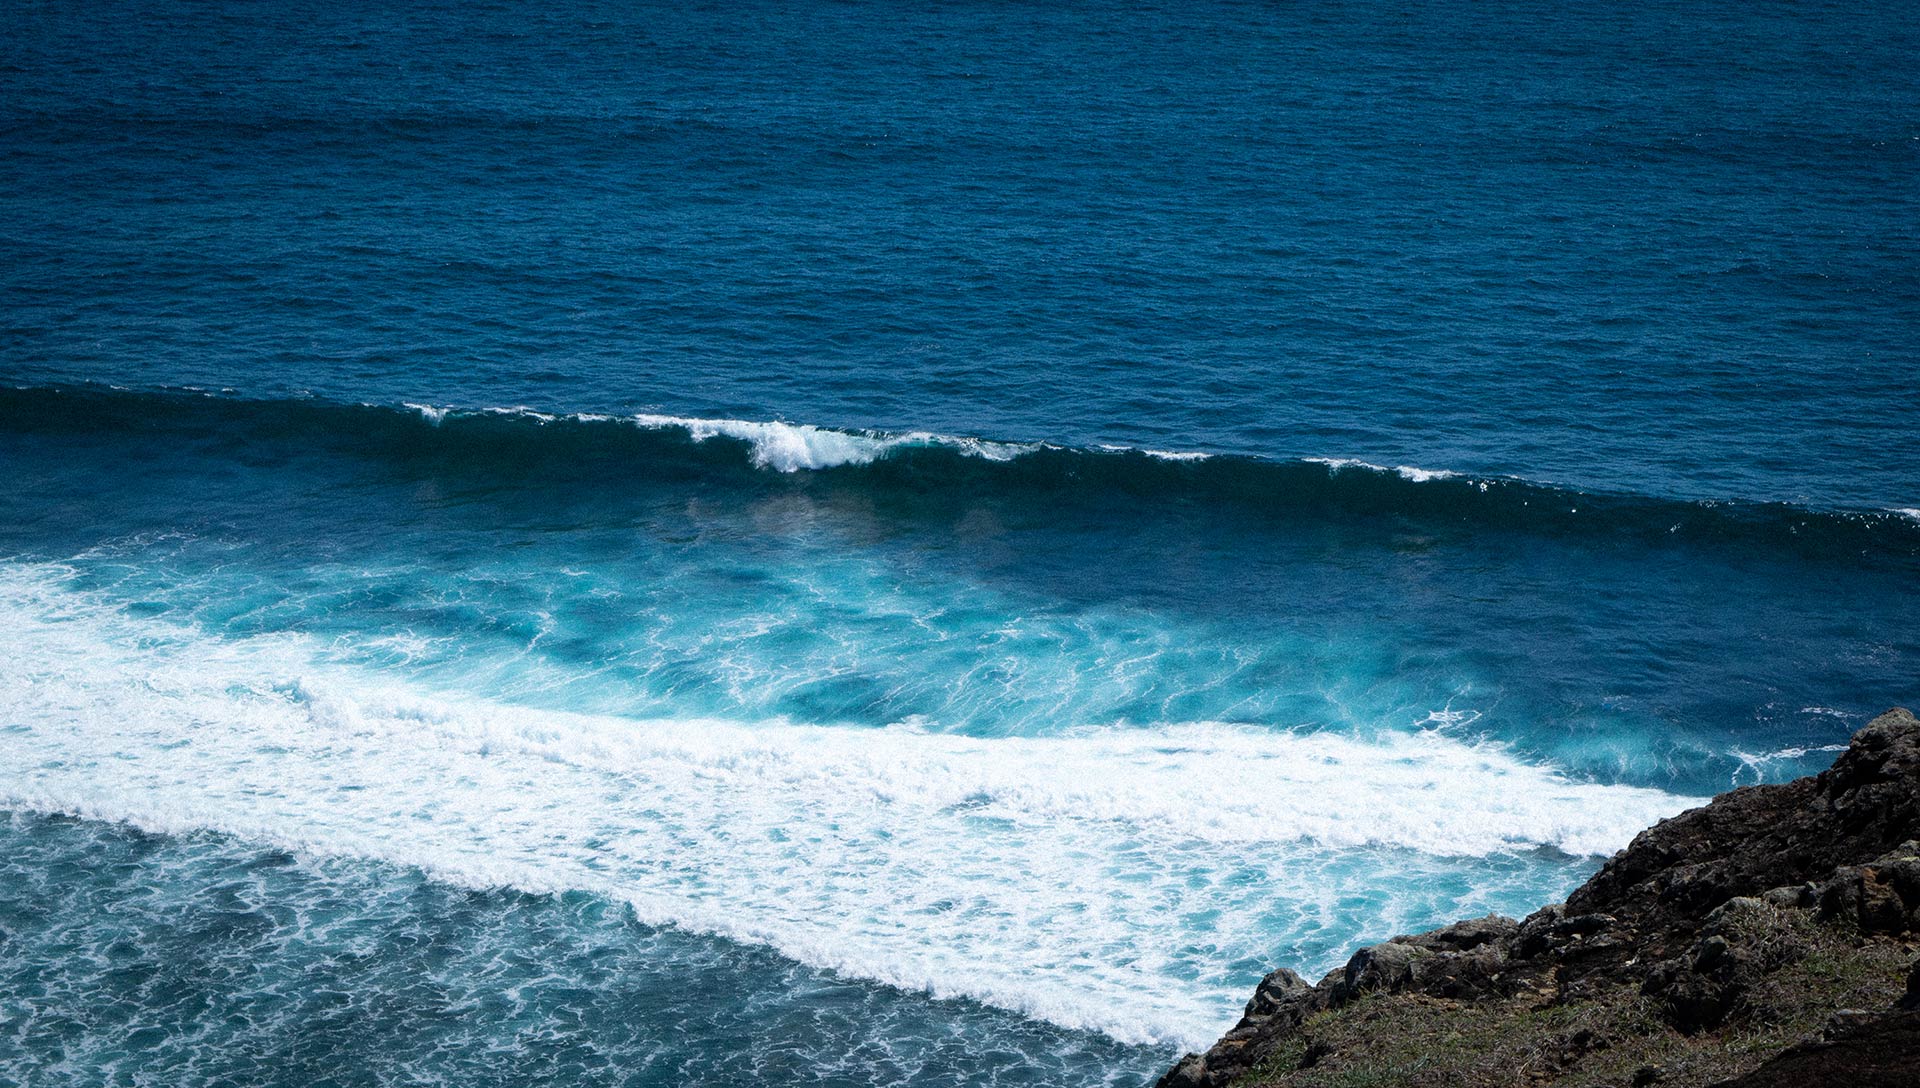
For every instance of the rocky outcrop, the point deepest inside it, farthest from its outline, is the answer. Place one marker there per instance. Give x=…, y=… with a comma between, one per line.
x=1708, y=921
x=1858, y=1051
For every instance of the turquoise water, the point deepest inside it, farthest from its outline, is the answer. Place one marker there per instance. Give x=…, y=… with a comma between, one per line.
x=830, y=545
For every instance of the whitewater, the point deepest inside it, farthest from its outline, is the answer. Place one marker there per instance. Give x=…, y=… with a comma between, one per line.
x=838, y=545
x=1097, y=878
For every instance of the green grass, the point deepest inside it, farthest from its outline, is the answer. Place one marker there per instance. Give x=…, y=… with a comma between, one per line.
x=1416, y=1041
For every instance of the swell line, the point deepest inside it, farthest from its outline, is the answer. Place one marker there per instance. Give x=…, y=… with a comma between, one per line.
x=604, y=450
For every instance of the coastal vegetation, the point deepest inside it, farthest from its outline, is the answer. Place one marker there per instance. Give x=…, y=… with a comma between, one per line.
x=1764, y=940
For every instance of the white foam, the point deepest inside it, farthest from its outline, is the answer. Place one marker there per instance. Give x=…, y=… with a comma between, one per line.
x=785, y=447
x=792, y=447
x=1158, y=455
x=523, y=412
x=1406, y=472
x=1758, y=765
x=434, y=416
x=438, y=415
x=1107, y=879
x=1912, y=512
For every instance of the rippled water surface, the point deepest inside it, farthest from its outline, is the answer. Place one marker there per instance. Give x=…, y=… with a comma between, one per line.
x=831, y=544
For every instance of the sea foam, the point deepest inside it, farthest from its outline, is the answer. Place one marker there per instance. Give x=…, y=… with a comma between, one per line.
x=792, y=447
x=1122, y=880
x=1410, y=473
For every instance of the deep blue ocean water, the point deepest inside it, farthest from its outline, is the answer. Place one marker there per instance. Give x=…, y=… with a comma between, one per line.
x=855, y=544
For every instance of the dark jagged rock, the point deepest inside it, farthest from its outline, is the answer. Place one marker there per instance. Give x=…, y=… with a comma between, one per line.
x=1697, y=916
x=1757, y=838
x=1708, y=982
x=1868, y=1052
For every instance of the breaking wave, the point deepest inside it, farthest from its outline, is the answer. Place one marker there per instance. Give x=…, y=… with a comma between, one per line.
x=1107, y=879
x=603, y=450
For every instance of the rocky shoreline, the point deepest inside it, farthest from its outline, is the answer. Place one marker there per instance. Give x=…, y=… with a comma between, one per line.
x=1764, y=940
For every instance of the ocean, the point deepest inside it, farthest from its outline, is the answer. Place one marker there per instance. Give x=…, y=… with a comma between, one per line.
x=857, y=544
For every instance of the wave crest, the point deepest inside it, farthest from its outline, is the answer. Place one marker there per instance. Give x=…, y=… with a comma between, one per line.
x=582, y=447
x=793, y=447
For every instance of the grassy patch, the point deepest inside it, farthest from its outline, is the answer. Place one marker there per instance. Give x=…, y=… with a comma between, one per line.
x=1416, y=1041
